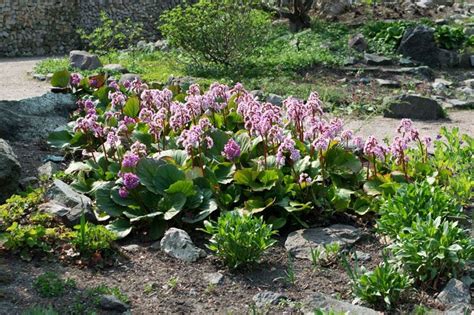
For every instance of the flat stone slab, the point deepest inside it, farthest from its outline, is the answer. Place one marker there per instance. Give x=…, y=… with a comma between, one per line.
x=322, y=302
x=300, y=243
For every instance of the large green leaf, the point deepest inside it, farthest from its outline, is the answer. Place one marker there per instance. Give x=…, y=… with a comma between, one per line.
x=258, y=204
x=105, y=202
x=158, y=176
x=60, y=79
x=185, y=187
x=224, y=172
x=246, y=176
x=132, y=107
x=121, y=227
x=173, y=204
x=59, y=139
x=178, y=157
x=220, y=139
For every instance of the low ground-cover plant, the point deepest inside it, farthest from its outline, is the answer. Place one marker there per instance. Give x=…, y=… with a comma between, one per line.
x=381, y=286
x=50, y=284
x=433, y=249
x=239, y=239
x=92, y=239
x=325, y=255
x=221, y=32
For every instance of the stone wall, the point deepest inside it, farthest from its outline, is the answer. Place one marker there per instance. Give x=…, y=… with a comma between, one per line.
x=46, y=27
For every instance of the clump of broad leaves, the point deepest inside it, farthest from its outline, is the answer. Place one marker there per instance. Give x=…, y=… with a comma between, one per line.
x=153, y=158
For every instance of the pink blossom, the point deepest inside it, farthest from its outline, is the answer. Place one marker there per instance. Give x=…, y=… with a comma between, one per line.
x=130, y=160
x=130, y=180
x=305, y=178
x=231, y=150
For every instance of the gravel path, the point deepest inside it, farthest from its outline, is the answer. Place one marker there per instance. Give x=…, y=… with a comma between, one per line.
x=16, y=82
x=382, y=127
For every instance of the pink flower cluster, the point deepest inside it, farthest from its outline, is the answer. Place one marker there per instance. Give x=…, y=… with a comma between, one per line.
x=231, y=150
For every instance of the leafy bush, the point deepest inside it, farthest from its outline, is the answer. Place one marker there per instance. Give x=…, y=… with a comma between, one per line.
x=238, y=239
x=382, y=286
x=50, y=284
x=450, y=36
x=90, y=238
x=412, y=200
x=220, y=32
x=433, y=248
x=384, y=37
x=111, y=35
x=166, y=156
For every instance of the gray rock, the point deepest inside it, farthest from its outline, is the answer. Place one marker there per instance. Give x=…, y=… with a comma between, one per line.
x=441, y=84
x=266, y=298
x=414, y=107
x=467, y=91
x=388, y=83
x=39, y=77
x=419, y=44
x=469, y=83
x=214, y=278
x=178, y=244
x=29, y=181
x=257, y=94
x=350, y=61
x=131, y=248
x=376, y=60
x=69, y=216
x=362, y=257
x=146, y=47
x=455, y=292
x=35, y=117
x=66, y=195
x=275, y=99
x=459, y=309
x=458, y=104
x=128, y=77
x=358, y=42
x=407, y=62
x=84, y=60
x=10, y=171
x=48, y=169
x=67, y=204
x=110, y=302
x=299, y=243
x=115, y=67
x=319, y=301
x=334, y=8
x=162, y=45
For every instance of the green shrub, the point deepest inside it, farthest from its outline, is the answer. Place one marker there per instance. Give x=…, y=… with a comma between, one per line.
x=412, y=200
x=433, y=248
x=382, y=286
x=111, y=35
x=221, y=32
x=90, y=238
x=19, y=237
x=450, y=36
x=238, y=239
x=384, y=37
x=50, y=284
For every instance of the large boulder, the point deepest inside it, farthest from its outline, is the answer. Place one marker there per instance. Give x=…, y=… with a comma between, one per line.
x=418, y=43
x=35, y=117
x=414, y=107
x=300, y=243
x=10, y=171
x=83, y=60
x=455, y=292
